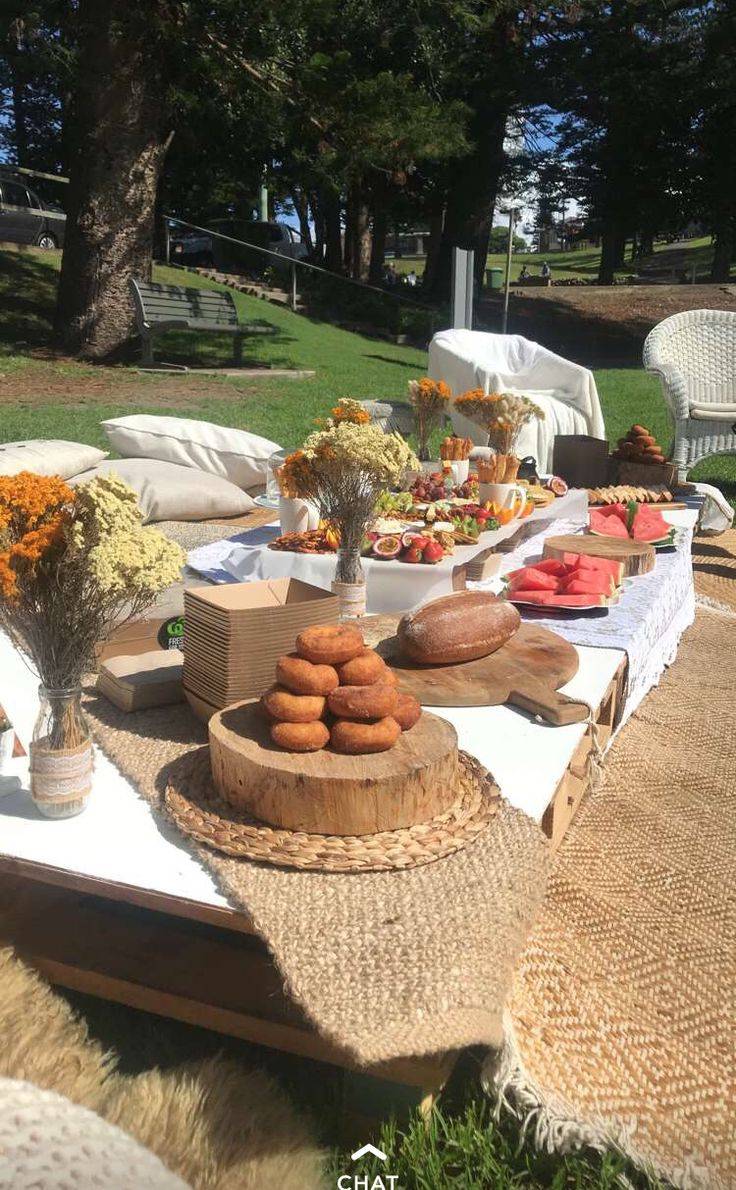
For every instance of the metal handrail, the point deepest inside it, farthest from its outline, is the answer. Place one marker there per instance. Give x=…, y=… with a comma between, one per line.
x=305, y=264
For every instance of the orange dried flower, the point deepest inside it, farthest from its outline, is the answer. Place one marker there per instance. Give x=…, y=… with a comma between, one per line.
x=33, y=516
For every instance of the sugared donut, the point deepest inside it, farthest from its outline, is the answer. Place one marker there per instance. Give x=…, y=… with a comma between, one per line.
x=300, y=737
x=363, y=670
x=303, y=677
x=363, y=702
x=329, y=644
x=407, y=711
x=293, y=708
x=355, y=738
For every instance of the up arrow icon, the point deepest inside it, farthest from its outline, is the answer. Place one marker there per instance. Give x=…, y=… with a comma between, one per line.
x=368, y=1149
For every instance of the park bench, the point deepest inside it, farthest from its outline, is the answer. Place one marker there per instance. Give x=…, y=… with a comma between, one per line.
x=161, y=308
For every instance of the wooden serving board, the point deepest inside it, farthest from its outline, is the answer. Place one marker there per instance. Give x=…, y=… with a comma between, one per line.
x=638, y=557
x=328, y=793
x=525, y=672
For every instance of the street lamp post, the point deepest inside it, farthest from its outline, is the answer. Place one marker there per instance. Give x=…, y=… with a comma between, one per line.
x=509, y=249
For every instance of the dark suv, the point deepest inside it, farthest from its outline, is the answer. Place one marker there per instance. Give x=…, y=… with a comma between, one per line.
x=27, y=219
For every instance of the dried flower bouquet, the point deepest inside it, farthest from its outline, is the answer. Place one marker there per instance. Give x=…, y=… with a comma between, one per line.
x=72, y=563
x=429, y=400
x=501, y=415
x=341, y=468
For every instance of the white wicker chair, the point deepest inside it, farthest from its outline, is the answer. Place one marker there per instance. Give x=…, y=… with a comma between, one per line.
x=694, y=355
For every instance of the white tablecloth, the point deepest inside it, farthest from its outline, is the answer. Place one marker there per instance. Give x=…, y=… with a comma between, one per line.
x=390, y=586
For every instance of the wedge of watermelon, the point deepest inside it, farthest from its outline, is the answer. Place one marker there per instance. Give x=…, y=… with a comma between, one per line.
x=649, y=525
x=589, y=586
x=620, y=511
x=568, y=600
x=522, y=596
x=534, y=580
x=606, y=565
x=545, y=565
x=607, y=526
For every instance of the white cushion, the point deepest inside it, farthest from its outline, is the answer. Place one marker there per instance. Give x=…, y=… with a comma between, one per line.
x=48, y=456
x=713, y=412
x=168, y=492
x=233, y=454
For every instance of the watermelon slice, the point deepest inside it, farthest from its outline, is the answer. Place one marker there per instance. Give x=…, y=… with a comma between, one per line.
x=540, y=597
x=567, y=600
x=649, y=525
x=582, y=586
x=606, y=565
x=534, y=580
x=545, y=565
x=612, y=510
x=607, y=526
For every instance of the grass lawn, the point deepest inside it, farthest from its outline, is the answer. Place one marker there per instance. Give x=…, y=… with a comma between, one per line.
x=583, y=263
x=42, y=395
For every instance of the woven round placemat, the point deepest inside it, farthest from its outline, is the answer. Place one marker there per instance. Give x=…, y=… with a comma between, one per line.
x=197, y=809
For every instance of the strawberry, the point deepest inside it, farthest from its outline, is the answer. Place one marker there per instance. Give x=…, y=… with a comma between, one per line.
x=412, y=554
x=432, y=552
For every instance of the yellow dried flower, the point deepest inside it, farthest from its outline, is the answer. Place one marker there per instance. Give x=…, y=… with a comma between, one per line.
x=123, y=555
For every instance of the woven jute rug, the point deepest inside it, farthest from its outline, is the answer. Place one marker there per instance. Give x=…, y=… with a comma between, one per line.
x=714, y=568
x=621, y=1027
x=385, y=964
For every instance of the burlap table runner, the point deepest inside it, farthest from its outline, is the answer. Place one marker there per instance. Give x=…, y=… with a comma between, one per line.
x=385, y=964
x=714, y=567
x=622, y=1028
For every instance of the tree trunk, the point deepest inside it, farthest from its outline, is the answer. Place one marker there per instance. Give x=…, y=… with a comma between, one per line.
x=117, y=159
x=378, y=246
x=610, y=252
x=318, y=219
x=20, y=125
x=301, y=207
x=471, y=198
x=723, y=248
x=358, y=242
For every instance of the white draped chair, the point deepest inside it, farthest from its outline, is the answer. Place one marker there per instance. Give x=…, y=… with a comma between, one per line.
x=509, y=363
x=694, y=355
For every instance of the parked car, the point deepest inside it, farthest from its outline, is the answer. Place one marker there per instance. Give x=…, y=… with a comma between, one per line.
x=25, y=218
x=191, y=247
x=198, y=248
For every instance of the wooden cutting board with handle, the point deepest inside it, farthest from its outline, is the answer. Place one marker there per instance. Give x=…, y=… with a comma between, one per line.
x=638, y=557
x=526, y=672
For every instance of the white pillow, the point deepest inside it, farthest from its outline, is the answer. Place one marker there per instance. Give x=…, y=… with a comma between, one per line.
x=48, y=456
x=234, y=454
x=167, y=492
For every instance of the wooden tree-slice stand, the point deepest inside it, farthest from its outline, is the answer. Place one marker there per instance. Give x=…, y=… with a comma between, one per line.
x=638, y=557
x=327, y=793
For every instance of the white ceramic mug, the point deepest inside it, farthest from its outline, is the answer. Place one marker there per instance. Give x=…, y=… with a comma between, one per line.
x=7, y=744
x=460, y=470
x=296, y=516
x=502, y=495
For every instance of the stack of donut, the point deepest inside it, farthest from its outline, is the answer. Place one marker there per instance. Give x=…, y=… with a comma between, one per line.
x=333, y=690
x=639, y=446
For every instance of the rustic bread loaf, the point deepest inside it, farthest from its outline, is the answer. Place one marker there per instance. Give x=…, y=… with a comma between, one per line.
x=458, y=627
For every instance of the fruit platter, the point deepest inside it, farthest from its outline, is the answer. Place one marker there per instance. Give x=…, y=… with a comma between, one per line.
x=572, y=583
x=637, y=522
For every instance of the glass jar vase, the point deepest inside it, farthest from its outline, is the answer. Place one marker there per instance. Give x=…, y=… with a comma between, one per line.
x=60, y=754
x=349, y=583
